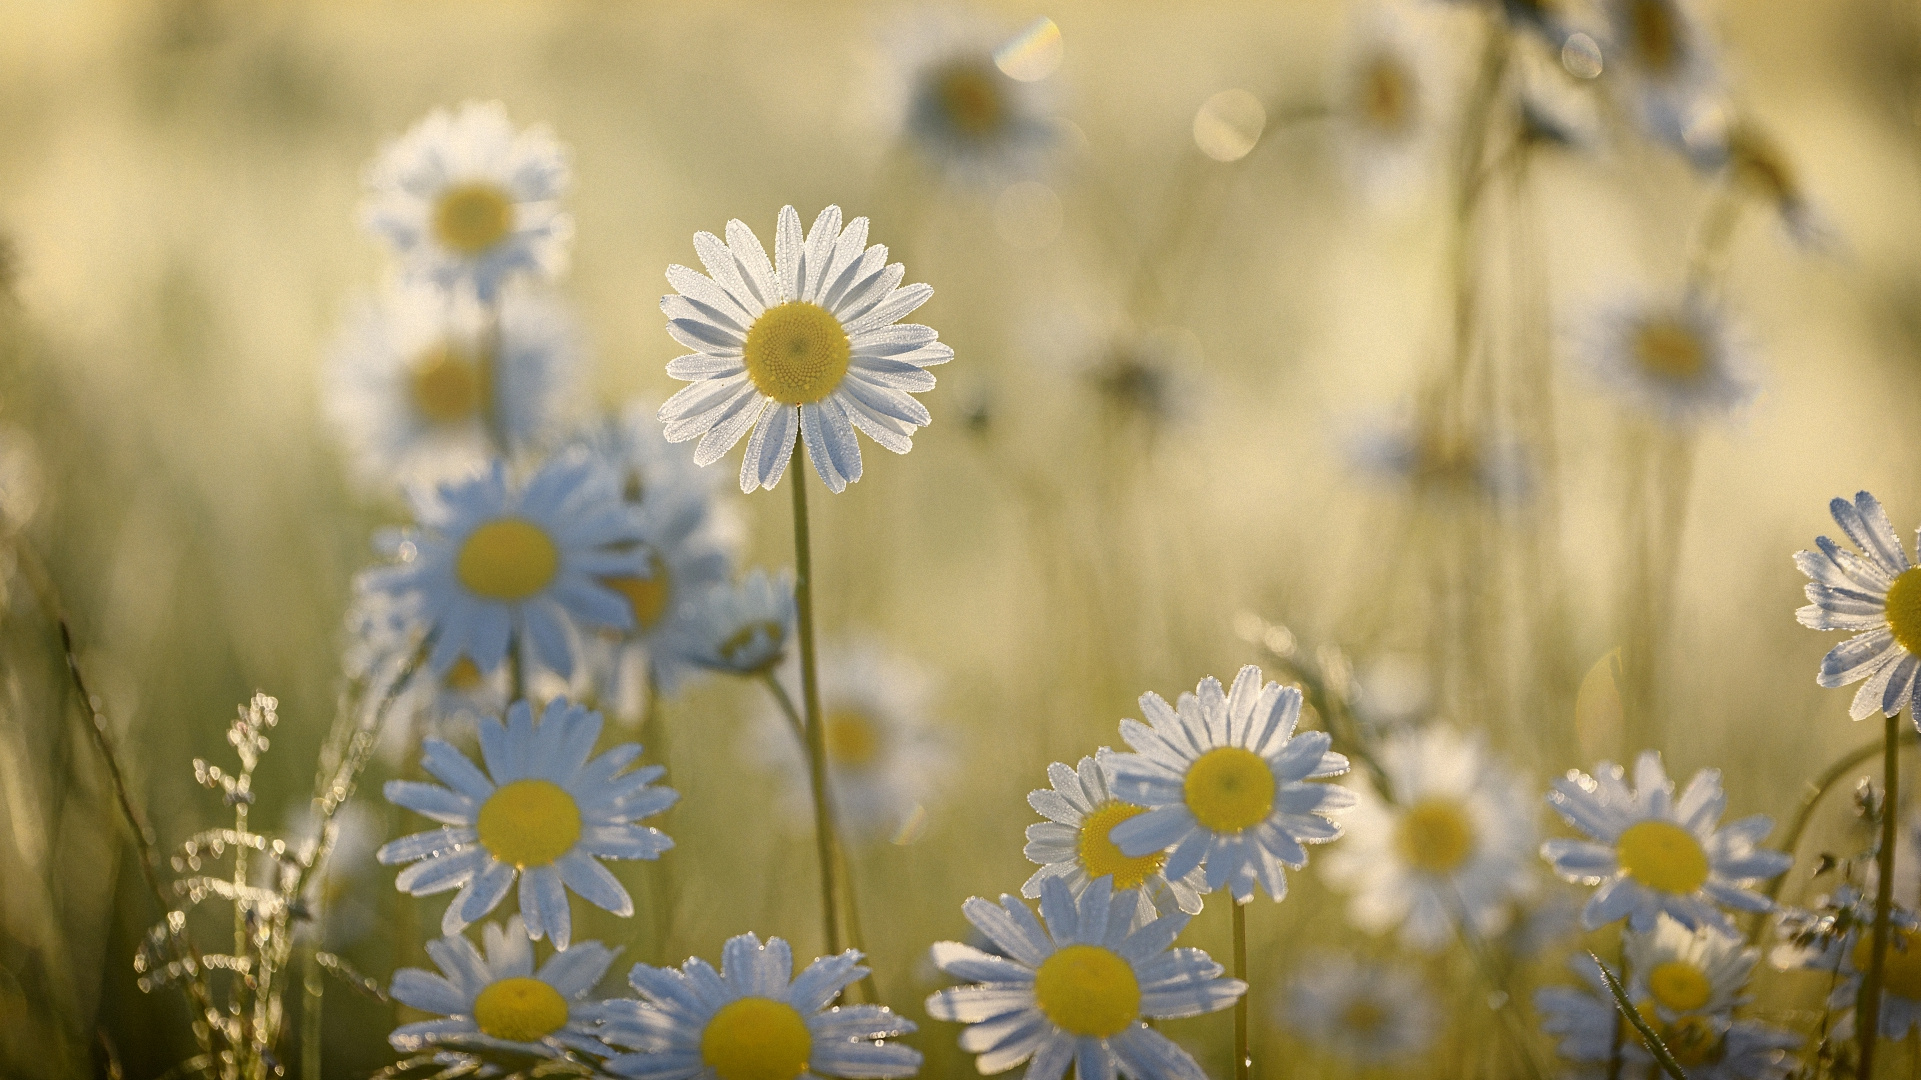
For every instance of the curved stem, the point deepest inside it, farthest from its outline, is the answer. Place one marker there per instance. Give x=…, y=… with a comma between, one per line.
x=812, y=726
x=1242, y=1062
x=1867, y=1020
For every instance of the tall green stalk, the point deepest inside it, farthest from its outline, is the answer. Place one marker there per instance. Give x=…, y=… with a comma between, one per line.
x=812, y=726
x=1867, y=1018
x=1242, y=1063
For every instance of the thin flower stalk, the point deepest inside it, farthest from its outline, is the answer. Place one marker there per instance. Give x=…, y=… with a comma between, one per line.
x=1868, y=1011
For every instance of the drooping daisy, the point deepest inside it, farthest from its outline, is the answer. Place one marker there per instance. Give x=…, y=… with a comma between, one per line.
x=1674, y=971
x=806, y=346
x=464, y=198
x=754, y=1020
x=1876, y=594
x=1708, y=1046
x=1675, y=357
x=1385, y=99
x=1758, y=164
x=1226, y=783
x=1443, y=467
x=499, y=1000
x=1074, y=845
x=954, y=106
x=1368, y=1013
x=1458, y=839
x=1652, y=853
x=1838, y=940
x=496, y=565
x=1664, y=55
x=684, y=562
x=1077, y=991
x=744, y=628
x=542, y=812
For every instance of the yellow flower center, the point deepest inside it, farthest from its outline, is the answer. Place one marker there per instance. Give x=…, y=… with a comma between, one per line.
x=734, y=648
x=1679, y=985
x=647, y=596
x=756, y=1038
x=970, y=98
x=1670, y=349
x=1663, y=856
x=507, y=559
x=1435, y=835
x=520, y=1010
x=1363, y=1017
x=1386, y=95
x=464, y=675
x=1901, y=969
x=797, y=352
x=853, y=740
x=1088, y=991
x=1100, y=856
x=528, y=823
x=1655, y=34
x=448, y=384
x=470, y=218
x=1229, y=788
x=1904, y=610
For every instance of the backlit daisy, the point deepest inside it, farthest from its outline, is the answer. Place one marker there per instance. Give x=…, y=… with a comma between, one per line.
x=499, y=1000
x=1676, y=358
x=1077, y=991
x=496, y=565
x=1367, y=1013
x=1875, y=594
x=1074, y=845
x=957, y=109
x=1708, y=1046
x=684, y=562
x=745, y=628
x=1385, y=99
x=806, y=346
x=1837, y=939
x=1226, y=784
x=1652, y=853
x=464, y=198
x=1665, y=56
x=542, y=812
x=754, y=1019
x=1674, y=971
x=1458, y=839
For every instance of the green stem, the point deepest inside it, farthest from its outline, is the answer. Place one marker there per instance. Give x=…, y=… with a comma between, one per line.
x=1648, y=1037
x=812, y=726
x=1867, y=1020
x=787, y=709
x=1490, y=972
x=313, y=985
x=1242, y=1062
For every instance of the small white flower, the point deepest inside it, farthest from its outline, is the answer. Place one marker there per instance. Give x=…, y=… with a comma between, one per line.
x=465, y=199
x=745, y=628
x=1226, y=783
x=684, y=564
x=1368, y=1013
x=1676, y=358
x=755, y=1020
x=1844, y=957
x=806, y=346
x=499, y=1000
x=1666, y=58
x=956, y=108
x=543, y=812
x=1076, y=992
x=1074, y=845
x=1443, y=467
x=1708, y=1046
x=1386, y=98
x=1876, y=594
x=1674, y=971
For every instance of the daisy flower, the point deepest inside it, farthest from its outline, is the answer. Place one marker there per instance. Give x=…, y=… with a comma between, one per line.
x=684, y=562
x=499, y=1001
x=1838, y=941
x=1434, y=465
x=1075, y=845
x=1676, y=358
x=1385, y=97
x=1077, y=991
x=967, y=118
x=1367, y=1013
x=1708, y=1046
x=1652, y=853
x=1875, y=594
x=338, y=909
x=464, y=198
x=1225, y=782
x=806, y=346
x=542, y=812
x=744, y=628
x=1674, y=971
x=384, y=637
x=497, y=564
x=1459, y=839
x=1667, y=60
x=754, y=1020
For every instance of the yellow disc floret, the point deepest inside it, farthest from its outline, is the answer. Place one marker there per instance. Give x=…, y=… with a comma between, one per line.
x=1386, y=94
x=971, y=99
x=1363, y=1018
x=448, y=384
x=1904, y=610
x=756, y=1038
x=1679, y=985
x=528, y=823
x=470, y=218
x=853, y=740
x=797, y=352
x=734, y=648
x=507, y=559
x=1670, y=349
x=1435, y=835
x=1662, y=856
x=1229, y=789
x=1088, y=991
x=1901, y=969
x=1100, y=856
x=520, y=1010
x=647, y=596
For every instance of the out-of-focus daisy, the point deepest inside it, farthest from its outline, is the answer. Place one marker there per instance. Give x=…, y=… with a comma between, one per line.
x=384, y=641
x=956, y=108
x=496, y=565
x=1665, y=57
x=651, y=470
x=1226, y=783
x=465, y=198
x=684, y=563
x=500, y=1000
x=1674, y=971
x=340, y=899
x=754, y=1019
x=1675, y=357
x=808, y=345
x=1458, y=841
x=1077, y=991
x=1442, y=466
x=1838, y=941
x=1759, y=165
x=543, y=812
x=422, y=391
x=1652, y=853
x=1368, y=1013
x=1875, y=594
x=744, y=628
x=1708, y=1046
x=1385, y=99
x=1074, y=845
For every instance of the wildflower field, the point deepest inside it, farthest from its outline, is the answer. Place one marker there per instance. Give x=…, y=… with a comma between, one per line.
x=1391, y=556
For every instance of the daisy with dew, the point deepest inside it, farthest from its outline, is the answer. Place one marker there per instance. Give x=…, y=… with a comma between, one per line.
x=499, y=1000
x=497, y=565
x=1710, y=1046
x=467, y=200
x=1368, y=1013
x=958, y=106
x=1457, y=841
x=1074, y=844
x=542, y=812
x=744, y=628
x=1873, y=592
x=1651, y=853
x=1837, y=940
x=1666, y=59
x=1077, y=991
x=1384, y=97
x=807, y=346
x=1675, y=972
x=754, y=1019
x=1226, y=784
x=1677, y=358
